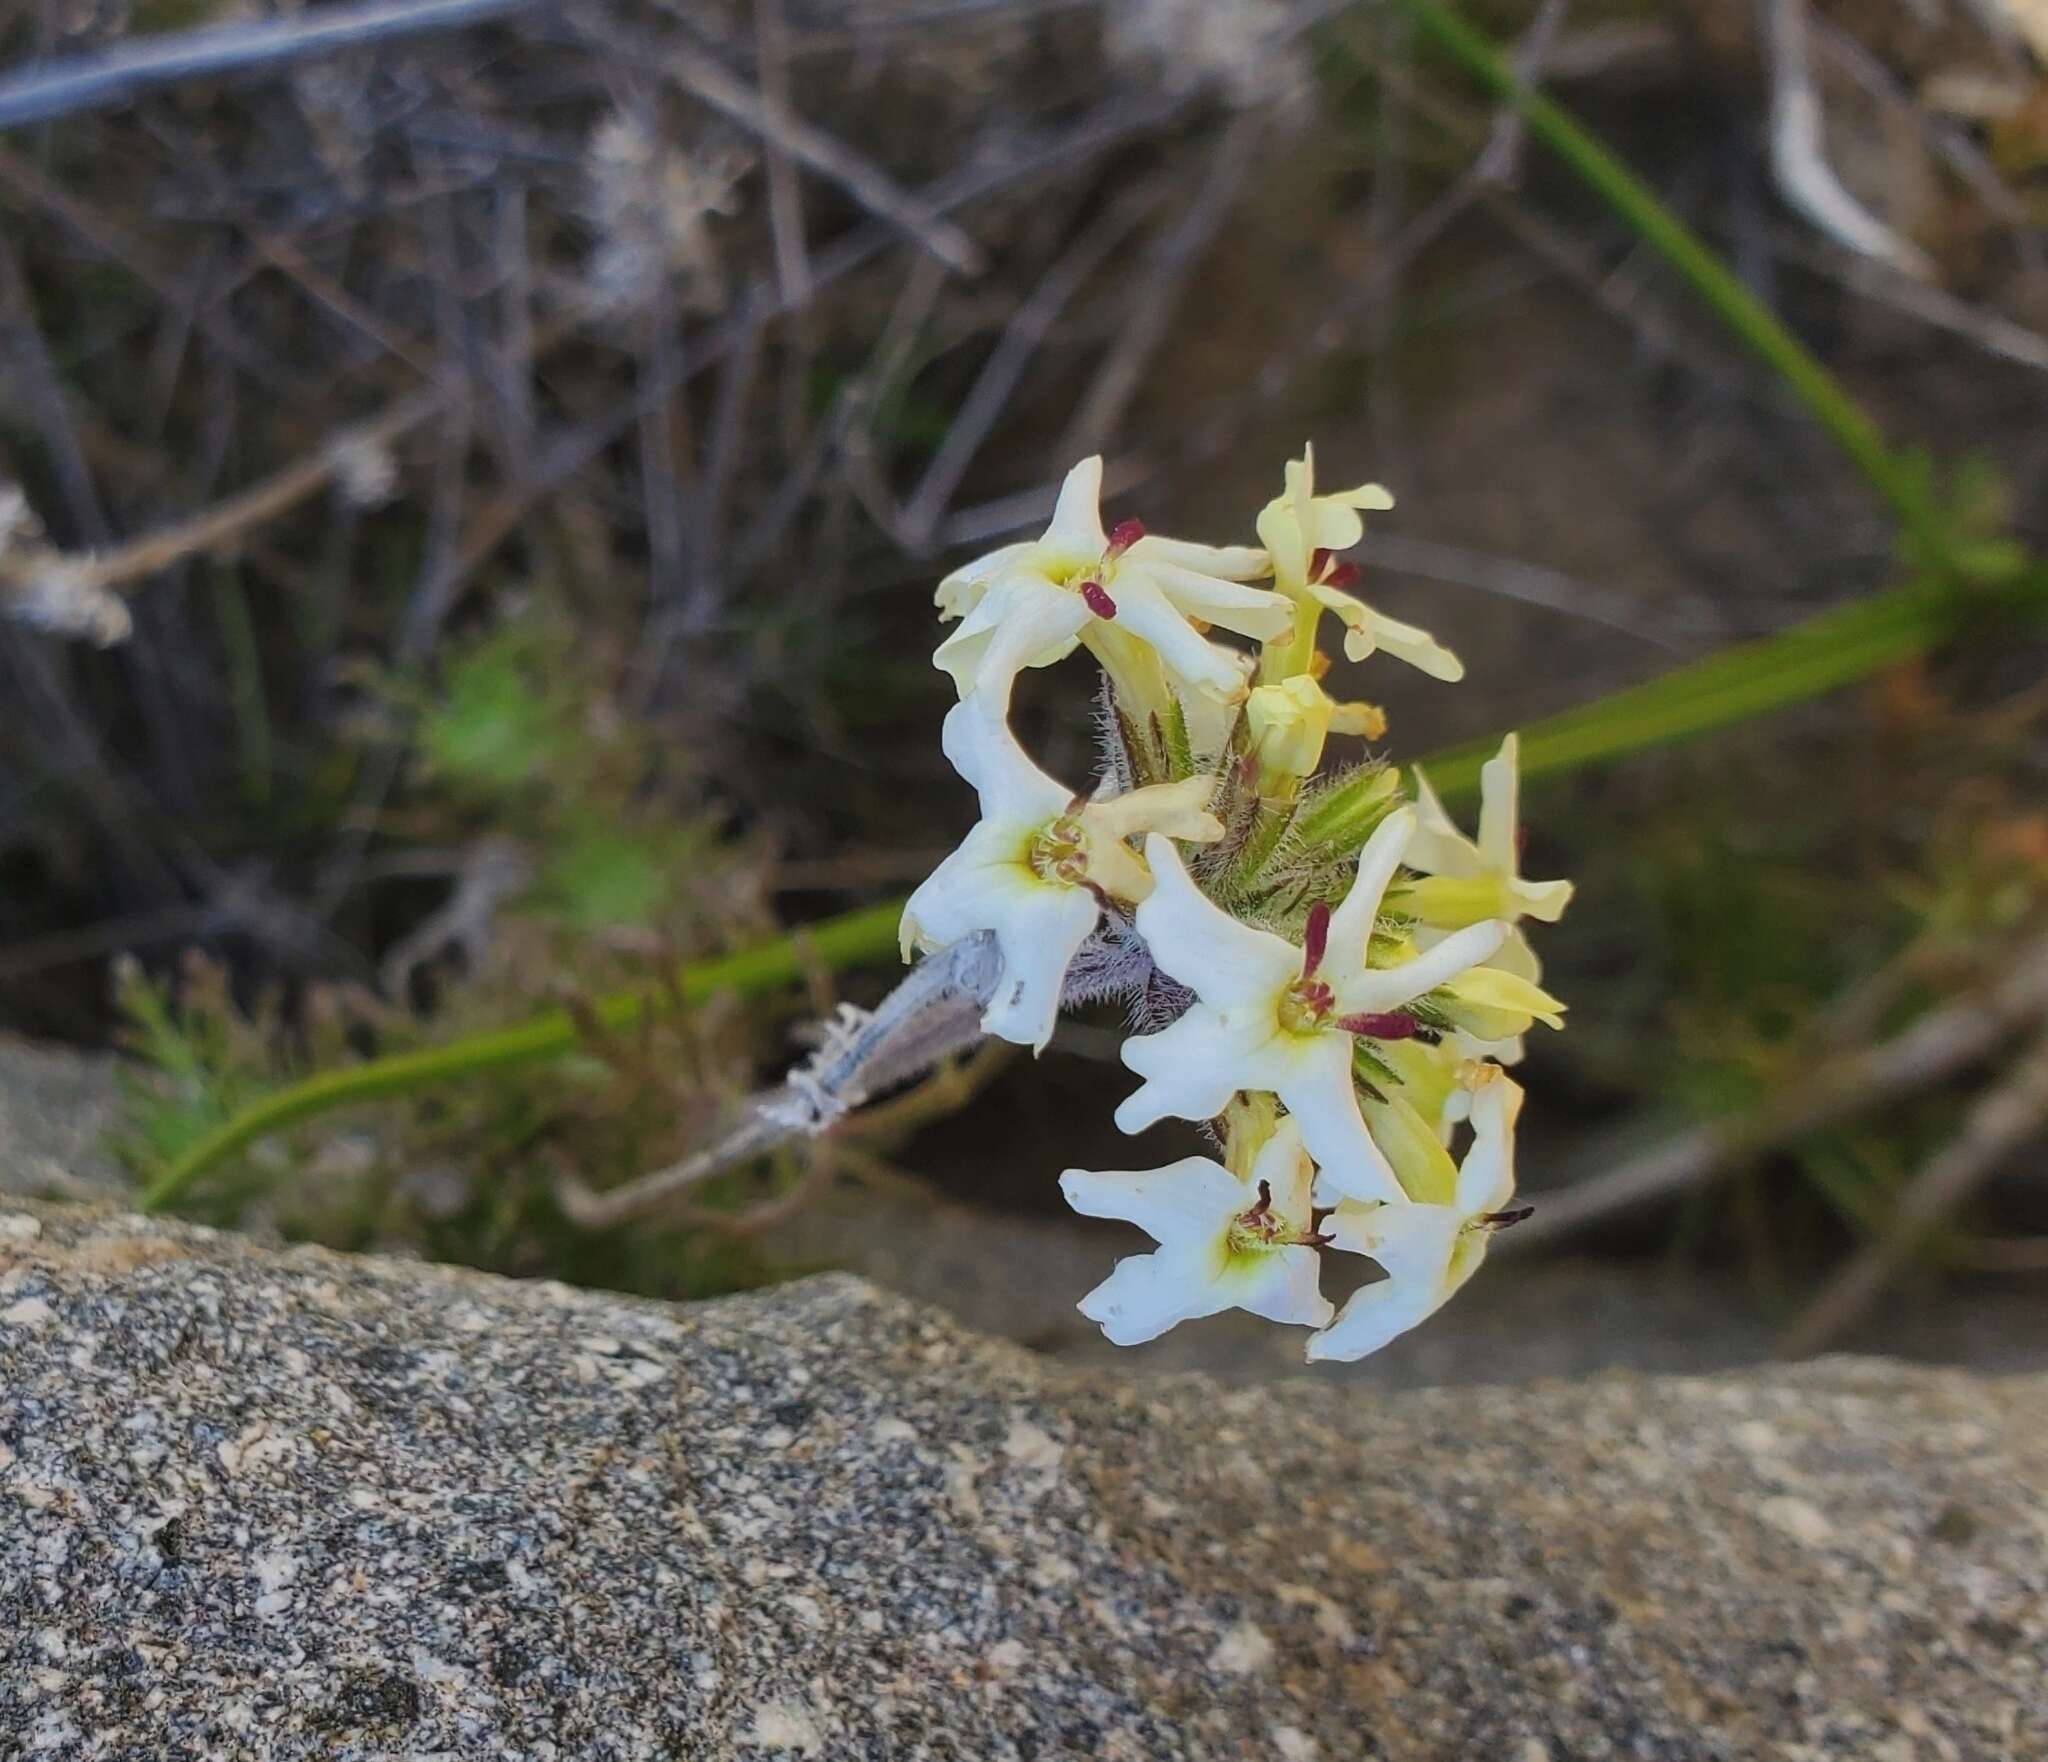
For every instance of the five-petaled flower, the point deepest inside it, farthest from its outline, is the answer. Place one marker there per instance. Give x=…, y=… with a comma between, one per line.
x=1427, y=1250
x=1271, y=1016
x=1027, y=605
x=1303, y=532
x=1037, y=867
x=1224, y=1243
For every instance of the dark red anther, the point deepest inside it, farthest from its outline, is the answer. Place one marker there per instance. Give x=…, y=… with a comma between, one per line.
x=1123, y=535
x=1257, y=1214
x=1097, y=599
x=1318, y=560
x=1502, y=1220
x=1342, y=575
x=1381, y=1025
x=1315, y=938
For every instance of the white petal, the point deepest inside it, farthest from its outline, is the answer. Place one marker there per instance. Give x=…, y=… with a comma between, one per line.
x=1486, y=1178
x=1415, y=1245
x=1366, y=630
x=1231, y=562
x=1184, y=1204
x=1023, y=620
x=1351, y=923
x=1191, y=1069
x=1250, y=611
x=1174, y=810
x=1188, y=656
x=1387, y=988
x=1039, y=934
x=1499, y=807
x=1076, y=528
x=977, y=742
x=1149, y=1293
x=1210, y=720
x=1225, y=963
x=1438, y=847
x=961, y=591
x=1281, y=1285
x=1411, y=643
x=957, y=898
x=1315, y=1085
x=1375, y=1315
x=1542, y=900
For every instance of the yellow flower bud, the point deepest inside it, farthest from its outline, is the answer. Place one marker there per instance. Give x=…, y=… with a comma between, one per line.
x=1289, y=723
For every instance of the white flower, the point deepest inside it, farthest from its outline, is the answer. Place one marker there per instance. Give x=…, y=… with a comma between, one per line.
x=1427, y=1251
x=1473, y=879
x=1272, y=1016
x=1027, y=605
x=1036, y=868
x=1303, y=532
x=1223, y=1243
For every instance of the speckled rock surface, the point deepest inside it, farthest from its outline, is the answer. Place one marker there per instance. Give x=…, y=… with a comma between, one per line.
x=265, y=1504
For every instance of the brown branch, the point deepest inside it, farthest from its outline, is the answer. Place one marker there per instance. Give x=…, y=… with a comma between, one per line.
x=1937, y=1046
x=2001, y=1122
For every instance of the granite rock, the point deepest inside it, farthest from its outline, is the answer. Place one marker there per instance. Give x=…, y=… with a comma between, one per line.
x=265, y=1503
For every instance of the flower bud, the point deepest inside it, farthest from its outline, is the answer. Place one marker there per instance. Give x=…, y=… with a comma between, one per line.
x=1289, y=723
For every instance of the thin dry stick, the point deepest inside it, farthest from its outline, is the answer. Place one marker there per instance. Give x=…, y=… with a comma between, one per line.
x=785, y=195
x=73, y=85
x=1936, y=1047
x=1990, y=331
x=992, y=389
x=1509, y=578
x=2005, y=1254
x=127, y=565
x=28, y=181
x=2001, y=1122
x=1156, y=296
x=810, y=145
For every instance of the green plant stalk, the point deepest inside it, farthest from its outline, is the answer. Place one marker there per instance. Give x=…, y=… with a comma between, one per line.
x=1839, y=414
x=1731, y=685
x=847, y=941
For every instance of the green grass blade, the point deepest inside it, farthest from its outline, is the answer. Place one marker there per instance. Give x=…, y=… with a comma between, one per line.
x=1852, y=430
x=852, y=940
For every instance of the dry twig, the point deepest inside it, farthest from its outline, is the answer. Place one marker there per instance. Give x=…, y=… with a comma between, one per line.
x=1937, y=1046
x=2003, y=1119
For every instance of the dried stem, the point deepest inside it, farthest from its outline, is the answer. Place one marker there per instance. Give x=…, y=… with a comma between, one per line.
x=1942, y=1043
x=2003, y=1119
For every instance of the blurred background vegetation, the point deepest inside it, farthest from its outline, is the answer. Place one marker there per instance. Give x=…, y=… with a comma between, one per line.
x=472, y=477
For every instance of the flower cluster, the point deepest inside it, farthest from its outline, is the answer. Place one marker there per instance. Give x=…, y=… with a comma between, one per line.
x=1330, y=976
